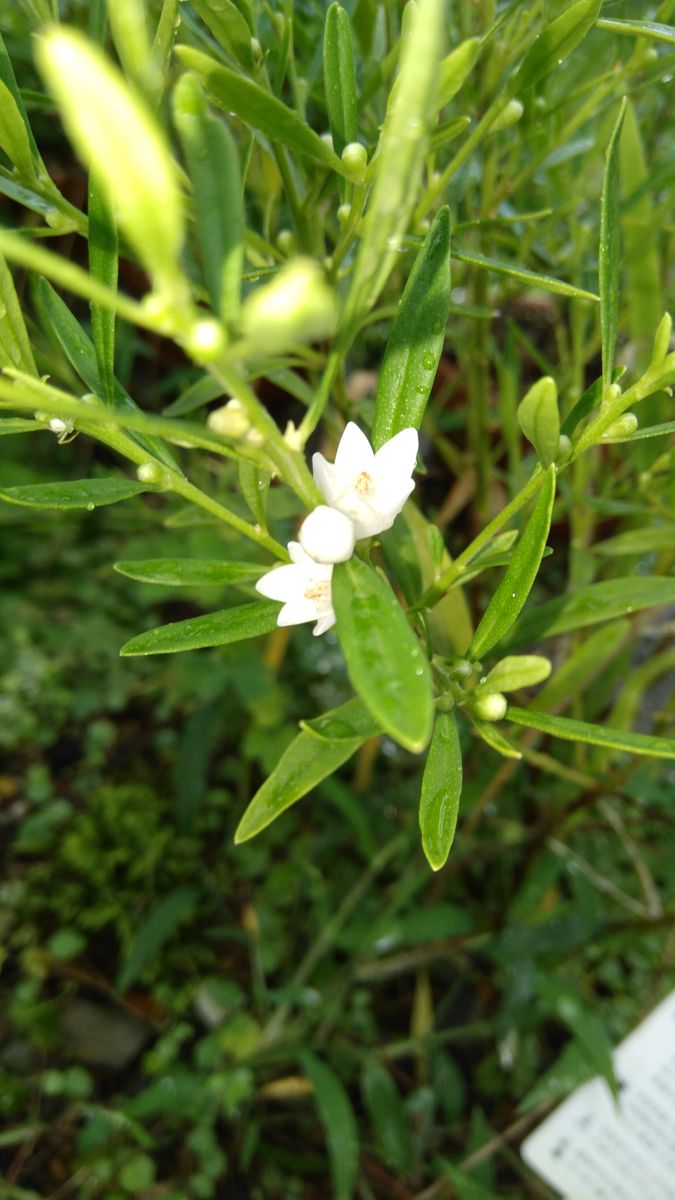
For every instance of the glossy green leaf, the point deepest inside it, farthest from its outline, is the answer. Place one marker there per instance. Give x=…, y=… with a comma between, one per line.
x=351, y=720
x=388, y=1117
x=417, y=337
x=400, y=156
x=103, y=264
x=547, y=283
x=228, y=27
x=650, y=540
x=14, y=139
x=592, y=604
x=643, y=435
x=118, y=137
x=609, y=262
x=213, y=629
x=456, y=68
x=15, y=348
x=258, y=108
x=386, y=664
x=339, y=77
x=339, y=1123
x=255, y=484
x=214, y=170
x=18, y=425
x=8, y=78
x=516, y=671
x=539, y=419
x=75, y=493
x=641, y=238
x=309, y=759
x=555, y=42
x=494, y=738
x=441, y=791
x=508, y=600
x=154, y=931
x=595, y=735
x=189, y=572
x=639, y=28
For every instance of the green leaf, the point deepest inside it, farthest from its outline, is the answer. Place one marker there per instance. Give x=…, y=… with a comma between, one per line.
x=547, y=283
x=9, y=79
x=255, y=485
x=400, y=156
x=189, y=572
x=516, y=671
x=158, y=927
x=441, y=791
x=584, y=664
x=351, y=720
x=649, y=540
x=228, y=27
x=539, y=419
x=587, y=1027
x=339, y=77
x=18, y=425
x=388, y=1117
x=214, y=170
x=339, y=1123
x=465, y=1187
x=417, y=337
x=118, y=137
x=258, y=108
x=386, y=664
x=213, y=629
x=75, y=493
x=14, y=138
x=103, y=264
x=556, y=41
x=592, y=604
x=642, y=435
x=491, y=735
x=15, y=348
x=638, y=28
x=595, y=735
x=521, y=573
x=609, y=262
x=456, y=68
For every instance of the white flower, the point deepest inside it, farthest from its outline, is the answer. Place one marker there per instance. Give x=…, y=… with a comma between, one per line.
x=327, y=535
x=370, y=488
x=305, y=588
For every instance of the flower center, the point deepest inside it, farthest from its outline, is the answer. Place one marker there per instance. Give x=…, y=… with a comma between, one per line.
x=318, y=592
x=364, y=484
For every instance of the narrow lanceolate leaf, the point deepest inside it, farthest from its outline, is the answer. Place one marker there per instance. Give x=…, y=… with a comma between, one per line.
x=516, y=671
x=214, y=170
x=456, y=68
x=189, y=572
x=592, y=604
x=10, y=425
x=595, y=735
x=75, y=493
x=9, y=79
x=14, y=139
x=649, y=540
x=508, y=600
x=229, y=27
x=441, y=791
x=118, y=138
x=15, y=348
x=339, y=1123
x=547, y=283
x=213, y=629
x=103, y=264
x=491, y=735
x=558, y=39
x=255, y=484
x=417, y=337
x=610, y=251
x=154, y=931
x=638, y=28
x=339, y=77
x=386, y=663
x=310, y=758
x=258, y=108
x=388, y=1117
x=400, y=155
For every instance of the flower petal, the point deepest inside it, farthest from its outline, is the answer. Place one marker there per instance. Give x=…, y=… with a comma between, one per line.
x=325, y=622
x=396, y=459
x=297, y=612
x=283, y=583
x=324, y=477
x=354, y=453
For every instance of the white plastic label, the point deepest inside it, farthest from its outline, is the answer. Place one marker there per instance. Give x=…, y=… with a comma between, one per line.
x=590, y=1148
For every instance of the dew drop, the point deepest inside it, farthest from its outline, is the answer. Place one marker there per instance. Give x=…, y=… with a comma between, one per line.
x=428, y=361
x=91, y=507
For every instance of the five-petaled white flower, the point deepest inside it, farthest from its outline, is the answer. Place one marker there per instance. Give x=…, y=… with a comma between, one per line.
x=305, y=588
x=370, y=488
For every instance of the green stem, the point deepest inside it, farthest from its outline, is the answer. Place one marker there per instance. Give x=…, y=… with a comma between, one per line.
x=439, y=185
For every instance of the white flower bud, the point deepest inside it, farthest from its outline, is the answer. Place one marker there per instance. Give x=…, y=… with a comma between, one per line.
x=205, y=340
x=355, y=159
x=491, y=707
x=230, y=420
x=327, y=535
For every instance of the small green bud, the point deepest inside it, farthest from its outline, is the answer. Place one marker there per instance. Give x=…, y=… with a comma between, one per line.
x=491, y=707
x=510, y=115
x=256, y=50
x=205, y=340
x=564, y=449
x=153, y=474
x=462, y=668
x=355, y=159
x=230, y=420
x=343, y=213
x=662, y=340
x=539, y=419
x=626, y=425
x=286, y=242
x=297, y=306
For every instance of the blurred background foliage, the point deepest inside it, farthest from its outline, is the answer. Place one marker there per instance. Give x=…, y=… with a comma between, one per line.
x=315, y=1014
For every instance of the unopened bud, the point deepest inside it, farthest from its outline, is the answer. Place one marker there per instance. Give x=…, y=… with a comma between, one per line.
x=230, y=420
x=343, y=213
x=355, y=159
x=205, y=340
x=286, y=241
x=491, y=707
x=153, y=474
x=297, y=306
x=327, y=535
x=623, y=427
x=662, y=340
x=564, y=449
x=510, y=115
x=256, y=50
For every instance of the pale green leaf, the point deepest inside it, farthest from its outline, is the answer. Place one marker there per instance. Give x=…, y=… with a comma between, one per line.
x=594, y=735
x=75, y=493
x=213, y=629
x=339, y=77
x=189, y=572
x=339, y=1123
x=609, y=261
x=441, y=791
